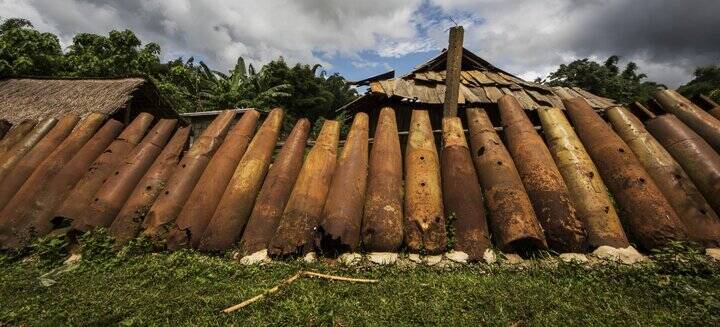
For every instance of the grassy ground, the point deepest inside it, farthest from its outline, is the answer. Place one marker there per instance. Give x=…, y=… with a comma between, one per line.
x=136, y=287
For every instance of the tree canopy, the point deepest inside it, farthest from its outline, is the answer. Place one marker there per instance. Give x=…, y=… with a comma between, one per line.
x=706, y=82
x=605, y=79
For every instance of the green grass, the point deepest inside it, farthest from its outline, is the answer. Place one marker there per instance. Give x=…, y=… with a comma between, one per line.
x=137, y=287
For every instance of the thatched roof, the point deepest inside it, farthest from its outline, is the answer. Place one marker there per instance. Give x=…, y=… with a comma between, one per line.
x=37, y=98
x=480, y=83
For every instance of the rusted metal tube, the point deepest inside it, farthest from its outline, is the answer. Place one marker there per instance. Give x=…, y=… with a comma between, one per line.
x=511, y=216
x=649, y=215
x=587, y=189
x=4, y=128
x=188, y=228
x=39, y=212
x=17, y=214
x=84, y=190
x=382, y=223
x=129, y=220
x=701, y=222
x=340, y=220
x=543, y=182
x=115, y=191
x=715, y=112
x=700, y=121
x=25, y=167
x=294, y=235
x=274, y=194
x=14, y=136
x=170, y=202
x=17, y=152
x=424, y=216
x=695, y=155
x=462, y=194
x=227, y=223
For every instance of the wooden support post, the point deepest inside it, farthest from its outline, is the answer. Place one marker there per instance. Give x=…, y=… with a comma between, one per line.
x=452, y=74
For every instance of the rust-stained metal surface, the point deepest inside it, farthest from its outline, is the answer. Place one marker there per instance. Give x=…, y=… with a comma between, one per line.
x=650, y=217
x=463, y=199
x=542, y=180
x=699, y=120
x=129, y=220
x=294, y=235
x=14, y=136
x=169, y=203
x=341, y=217
x=114, y=192
x=715, y=112
x=701, y=221
x=275, y=191
x=15, y=214
x=200, y=206
x=228, y=221
x=510, y=212
x=695, y=155
x=424, y=222
x=587, y=189
x=14, y=180
x=382, y=224
x=23, y=146
x=82, y=194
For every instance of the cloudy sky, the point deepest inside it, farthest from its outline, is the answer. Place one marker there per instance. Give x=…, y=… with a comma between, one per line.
x=667, y=38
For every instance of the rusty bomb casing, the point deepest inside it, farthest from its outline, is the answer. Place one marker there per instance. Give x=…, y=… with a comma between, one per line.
x=17, y=212
x=701, y=222
x=228, y=221
x=21, y=148
x=170, y=202
x=128, y=221
x=14, y=136
x=700, y=121
x=84, y=190
x=424, y=222
x=200, y=206
x=511, y=215
x=294, y=235
x=648, y=214
x=382, y=223
x=25, y=167
x=342, y=215
x=462, y=194
x=587, y=189
x=696, y=156
x=111, y=196
x=275, y=191
x=543, y=182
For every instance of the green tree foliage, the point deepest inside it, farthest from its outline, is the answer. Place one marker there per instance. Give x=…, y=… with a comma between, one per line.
x=25, y=51
x=706, y=82
x=119, y=53
x=605, y=79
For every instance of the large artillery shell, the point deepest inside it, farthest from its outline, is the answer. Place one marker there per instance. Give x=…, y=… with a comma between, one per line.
x=341, y=217
x=701, y=222
x=382, y=224
x=20, y=149
x=128, y=221
x=14, y=136
x=542, y=180
x=462, y=193
x=274, y=194
x=424, y=216
x=4, y=128
x=587, y=189
x=294, y=234
x=84, y=191
x=232, y=212
x=695, y=155
x=511, y=216
x=17, y=213
x=25, y=167
x=169, y=203
x=115, y=191
x=649, y=215
x=700, y=121
x=200, y=206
